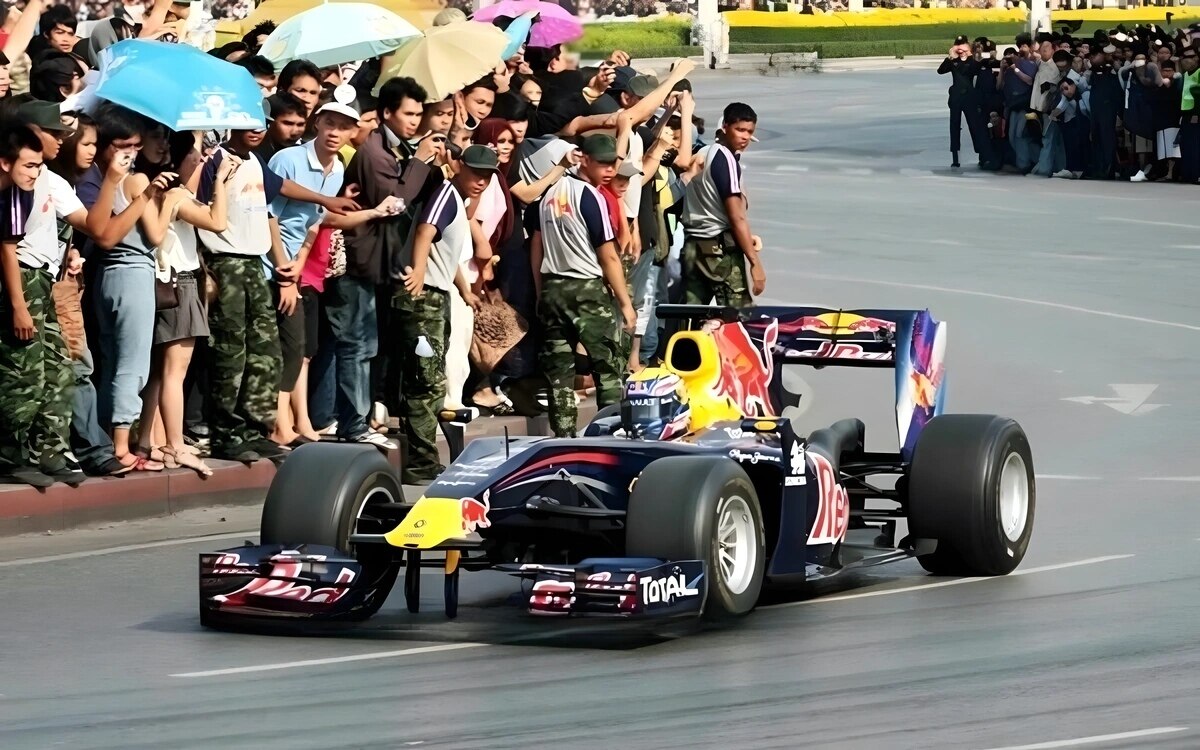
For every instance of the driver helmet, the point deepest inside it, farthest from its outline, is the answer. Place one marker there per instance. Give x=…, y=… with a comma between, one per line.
x=654, y=405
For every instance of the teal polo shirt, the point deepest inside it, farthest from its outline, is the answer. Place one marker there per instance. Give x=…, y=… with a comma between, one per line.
x=300, y=164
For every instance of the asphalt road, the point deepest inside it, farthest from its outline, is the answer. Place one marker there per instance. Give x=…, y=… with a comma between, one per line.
x=1052, y=289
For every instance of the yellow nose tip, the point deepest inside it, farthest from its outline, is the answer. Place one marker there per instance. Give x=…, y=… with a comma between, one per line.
x=432, y=521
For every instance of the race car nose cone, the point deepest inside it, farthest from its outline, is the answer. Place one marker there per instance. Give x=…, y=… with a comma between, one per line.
x=432, y=521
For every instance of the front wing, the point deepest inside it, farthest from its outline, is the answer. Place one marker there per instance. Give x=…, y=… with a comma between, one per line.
x=615, y=587
x=309, y=582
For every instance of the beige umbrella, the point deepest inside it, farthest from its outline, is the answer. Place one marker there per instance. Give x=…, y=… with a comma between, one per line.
x=446, y=58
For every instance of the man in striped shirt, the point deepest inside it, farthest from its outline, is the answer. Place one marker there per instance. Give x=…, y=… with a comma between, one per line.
x=429, y=267
x=581, y=276
x=718, y=242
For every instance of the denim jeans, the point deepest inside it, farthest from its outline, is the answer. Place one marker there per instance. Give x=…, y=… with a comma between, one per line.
x=350, y=308
x=650, y=292
x=125, y=314
x=91, y=445
x=1024, y=149
x=1053, y=157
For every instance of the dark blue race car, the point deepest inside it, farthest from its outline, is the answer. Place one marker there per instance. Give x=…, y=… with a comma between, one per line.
x=686, y=498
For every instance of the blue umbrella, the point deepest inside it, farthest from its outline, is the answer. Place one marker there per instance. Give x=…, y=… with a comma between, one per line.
x=180, y=86
x=517, y=32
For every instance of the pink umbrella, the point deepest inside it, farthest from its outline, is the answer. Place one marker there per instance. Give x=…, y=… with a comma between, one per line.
x=554, y=23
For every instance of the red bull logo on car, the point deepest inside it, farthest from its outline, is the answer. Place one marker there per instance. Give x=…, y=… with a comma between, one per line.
x=838, y=324
x=746, y=371
x=474, y=513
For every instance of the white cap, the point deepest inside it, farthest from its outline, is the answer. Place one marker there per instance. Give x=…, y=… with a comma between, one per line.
x=343, y=102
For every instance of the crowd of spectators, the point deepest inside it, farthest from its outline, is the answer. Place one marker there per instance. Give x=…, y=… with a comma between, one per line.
x=373, y=252
x=1117, y=105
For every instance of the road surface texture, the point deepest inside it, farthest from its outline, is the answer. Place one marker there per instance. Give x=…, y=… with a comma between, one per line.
x=1071, y=307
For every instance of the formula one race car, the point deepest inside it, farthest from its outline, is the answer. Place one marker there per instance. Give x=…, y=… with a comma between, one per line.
x=687, y=498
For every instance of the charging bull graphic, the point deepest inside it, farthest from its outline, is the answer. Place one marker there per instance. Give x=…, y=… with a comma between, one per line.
x=474, y=512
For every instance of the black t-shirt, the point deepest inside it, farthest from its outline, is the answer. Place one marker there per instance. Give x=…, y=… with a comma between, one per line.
x=15, y=206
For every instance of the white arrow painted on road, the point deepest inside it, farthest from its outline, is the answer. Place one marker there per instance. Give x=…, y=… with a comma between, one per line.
x=1130, y=398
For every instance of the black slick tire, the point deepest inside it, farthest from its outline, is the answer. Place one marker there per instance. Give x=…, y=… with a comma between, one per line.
x=673, y=514
x=317, y=497
x=963, y=469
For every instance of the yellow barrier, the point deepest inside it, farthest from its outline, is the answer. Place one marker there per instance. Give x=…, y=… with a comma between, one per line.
x=916, y=17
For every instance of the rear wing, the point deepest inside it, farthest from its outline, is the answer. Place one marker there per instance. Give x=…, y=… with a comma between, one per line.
x=911, y=342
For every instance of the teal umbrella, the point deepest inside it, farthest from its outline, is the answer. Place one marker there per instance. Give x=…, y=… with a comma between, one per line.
x=336, y=33
x=179, y=86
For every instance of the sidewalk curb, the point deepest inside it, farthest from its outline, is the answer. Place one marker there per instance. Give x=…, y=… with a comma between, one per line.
x=25, y=510
x=793, y=63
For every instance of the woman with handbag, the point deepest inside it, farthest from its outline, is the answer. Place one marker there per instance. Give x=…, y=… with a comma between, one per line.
x=183, y=316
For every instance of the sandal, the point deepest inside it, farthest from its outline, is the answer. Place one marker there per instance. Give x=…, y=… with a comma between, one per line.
x=189, y=461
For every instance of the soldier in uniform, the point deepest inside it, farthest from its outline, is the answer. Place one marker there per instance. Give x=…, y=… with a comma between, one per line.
x=429, y=268
x=717, y=239
x=580, y=277
x=35, y=369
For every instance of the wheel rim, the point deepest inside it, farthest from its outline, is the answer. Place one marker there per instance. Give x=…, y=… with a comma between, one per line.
x=1014, y=497
x=375, y=495
x=736, y=544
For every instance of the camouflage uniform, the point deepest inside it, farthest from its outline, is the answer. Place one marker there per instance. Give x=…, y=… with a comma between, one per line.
x=422, y=379
x=578, y=311
x=715, y=268
x=36, y=383
x=246, y=359
x=624, y=340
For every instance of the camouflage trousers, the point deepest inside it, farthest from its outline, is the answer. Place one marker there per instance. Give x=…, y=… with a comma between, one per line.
x=422, y=379
x=714, y=268
x=245, y=360
x=36, y=383
x=573, y=312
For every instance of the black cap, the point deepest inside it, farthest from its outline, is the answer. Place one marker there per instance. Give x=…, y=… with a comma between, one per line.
x=45, y=115
x=624, y=74
x=601, y=147
x=960, y=39
x=59, y=68
x=480, y=158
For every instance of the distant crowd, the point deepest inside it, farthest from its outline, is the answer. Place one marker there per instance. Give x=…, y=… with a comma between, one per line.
x=1118, y=105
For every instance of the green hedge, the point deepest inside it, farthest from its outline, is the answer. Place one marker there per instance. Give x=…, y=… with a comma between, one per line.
x=638, y=38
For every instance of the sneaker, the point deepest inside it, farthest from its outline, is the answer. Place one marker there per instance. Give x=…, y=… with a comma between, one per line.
x=1064, y=174
x=1140, y=176
x=330, y=430
x=379, y=441
x=267, y=448
x=67, y=475
x=30, y=476
x=239, y=453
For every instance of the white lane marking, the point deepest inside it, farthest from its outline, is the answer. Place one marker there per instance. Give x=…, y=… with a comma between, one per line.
x=1184, y=247
x=1096, y=739
x=1067, y=477
x=955, y=582
x=331, y=660
x=125, y=548
x=1131, y=398
x=948, y=243
x=1072, y=256
x=1006, y=298
x=1169, y=479
x=1147, y=222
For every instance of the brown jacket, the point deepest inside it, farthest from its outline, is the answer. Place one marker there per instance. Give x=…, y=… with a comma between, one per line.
x=380, y=172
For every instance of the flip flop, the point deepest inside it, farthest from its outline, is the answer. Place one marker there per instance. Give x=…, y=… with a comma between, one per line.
x=189, y=461
x=141, y=463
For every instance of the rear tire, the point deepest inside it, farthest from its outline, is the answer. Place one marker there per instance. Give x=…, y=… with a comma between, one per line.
x=702, y=508
x=320, y=495
x=971, y=487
